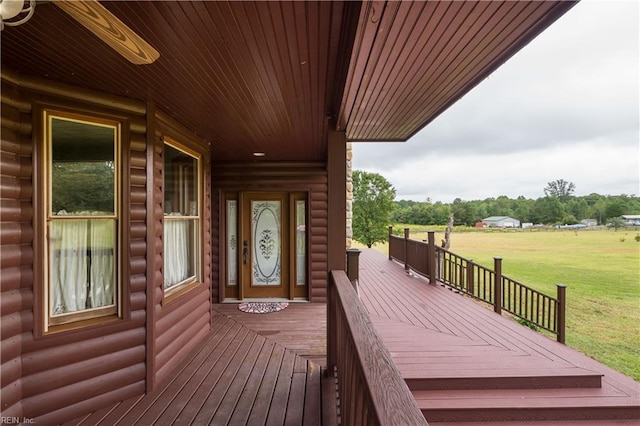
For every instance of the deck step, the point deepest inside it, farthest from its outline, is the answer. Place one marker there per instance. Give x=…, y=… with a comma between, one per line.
x=527, y=405
x=565, y=378
x=429, y=359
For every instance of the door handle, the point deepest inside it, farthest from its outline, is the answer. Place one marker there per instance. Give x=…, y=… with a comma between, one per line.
x=245, y=251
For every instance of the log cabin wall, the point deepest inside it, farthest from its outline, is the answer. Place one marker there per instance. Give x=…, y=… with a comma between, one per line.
x=178, y=325
x=289, y=177
x=56, y=377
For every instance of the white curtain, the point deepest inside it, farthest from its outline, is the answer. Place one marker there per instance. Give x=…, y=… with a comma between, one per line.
x=176, y=264
x=82, y=264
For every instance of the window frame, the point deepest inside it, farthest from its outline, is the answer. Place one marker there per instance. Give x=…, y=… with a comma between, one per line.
x=44, y=211
x=176, y=290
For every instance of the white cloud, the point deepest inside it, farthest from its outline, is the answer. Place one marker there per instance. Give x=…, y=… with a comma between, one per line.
x=565, y=107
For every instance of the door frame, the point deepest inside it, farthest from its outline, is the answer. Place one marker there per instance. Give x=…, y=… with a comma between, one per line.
x=290, y=245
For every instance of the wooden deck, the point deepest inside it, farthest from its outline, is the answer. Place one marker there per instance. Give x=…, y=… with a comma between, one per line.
x=463, y=363
x=237, y=377
x=301, y=327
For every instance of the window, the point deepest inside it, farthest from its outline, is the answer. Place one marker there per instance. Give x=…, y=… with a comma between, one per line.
x=81, y=162
x=182, y=223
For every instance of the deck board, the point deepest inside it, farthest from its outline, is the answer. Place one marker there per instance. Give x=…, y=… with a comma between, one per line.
x=269, y=369
x=301, y=327
x=448, y=347
x=235, y=377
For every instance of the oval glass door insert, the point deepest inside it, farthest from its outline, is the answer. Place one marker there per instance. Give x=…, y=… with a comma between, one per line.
x=265, y=232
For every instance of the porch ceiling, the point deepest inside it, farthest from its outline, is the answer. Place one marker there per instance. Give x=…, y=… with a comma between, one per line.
x=412, y=60
x=270, y=76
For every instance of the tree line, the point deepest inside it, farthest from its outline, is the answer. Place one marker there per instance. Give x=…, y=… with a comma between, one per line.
x=548, y=210
x=374, y=208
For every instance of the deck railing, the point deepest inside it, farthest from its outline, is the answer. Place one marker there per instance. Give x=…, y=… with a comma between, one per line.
x=371, y=389
x=534, y=308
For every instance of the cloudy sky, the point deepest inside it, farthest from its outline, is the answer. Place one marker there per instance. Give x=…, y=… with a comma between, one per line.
x=565, y=107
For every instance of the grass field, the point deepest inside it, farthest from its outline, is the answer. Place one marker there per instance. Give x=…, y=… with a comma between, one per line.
x=601, y=269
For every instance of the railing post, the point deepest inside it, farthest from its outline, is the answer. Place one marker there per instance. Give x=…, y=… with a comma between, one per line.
x=353, y=266
x=562, y=305
x=497, y=285
x=470, y=279
x=390, y=235
x=431, y=257
x=332, y=330
x=405, y=249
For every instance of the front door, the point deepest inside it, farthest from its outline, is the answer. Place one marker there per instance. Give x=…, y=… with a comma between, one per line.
x=264, y=248
x=265, y=254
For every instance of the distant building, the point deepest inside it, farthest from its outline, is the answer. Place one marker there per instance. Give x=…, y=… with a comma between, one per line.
x=501, y=222
x=589, y=222
x=631, y=219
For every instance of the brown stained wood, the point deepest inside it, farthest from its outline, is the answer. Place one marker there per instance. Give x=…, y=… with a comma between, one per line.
x=369, y=380
x=218, y=382
x=239, y=414
x=295, y=404
x=52, y=379
x=175, y=396
x=247, y=368
x=461, y=358
x=108, y=28
x=301, y=327
x=313, y=396
x=262, y=402
x=277, y=410
x=269, y=177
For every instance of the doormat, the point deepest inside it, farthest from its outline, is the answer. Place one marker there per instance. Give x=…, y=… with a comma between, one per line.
x=262, y=307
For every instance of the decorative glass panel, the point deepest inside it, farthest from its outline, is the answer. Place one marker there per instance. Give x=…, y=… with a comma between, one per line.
x=301, y=243
x=265, y=229
x=232, y=242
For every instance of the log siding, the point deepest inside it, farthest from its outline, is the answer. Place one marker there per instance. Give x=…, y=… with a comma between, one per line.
x=55, y=377
x=179, y=324
x=291, y=177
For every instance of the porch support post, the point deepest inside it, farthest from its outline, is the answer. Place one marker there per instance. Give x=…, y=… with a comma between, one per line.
x=337, y=215
x=405, y=249
x=336, y=231
x=389, y=241
x=431, y=257
x=497, y=285
x=562, y=305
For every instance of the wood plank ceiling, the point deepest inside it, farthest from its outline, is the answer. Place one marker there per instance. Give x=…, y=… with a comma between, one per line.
x=270, y=76
x=412, y=60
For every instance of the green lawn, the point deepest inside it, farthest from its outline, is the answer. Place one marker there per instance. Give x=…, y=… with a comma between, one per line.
x=601, y=269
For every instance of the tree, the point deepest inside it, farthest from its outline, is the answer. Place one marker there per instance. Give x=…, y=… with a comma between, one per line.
x=373, y=198
x=547, y=210
x=560, y=189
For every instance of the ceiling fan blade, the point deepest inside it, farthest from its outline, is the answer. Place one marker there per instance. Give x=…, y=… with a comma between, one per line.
x=97, y=19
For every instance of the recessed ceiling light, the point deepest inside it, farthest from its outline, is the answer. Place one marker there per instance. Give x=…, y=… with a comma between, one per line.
x=259, y=154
